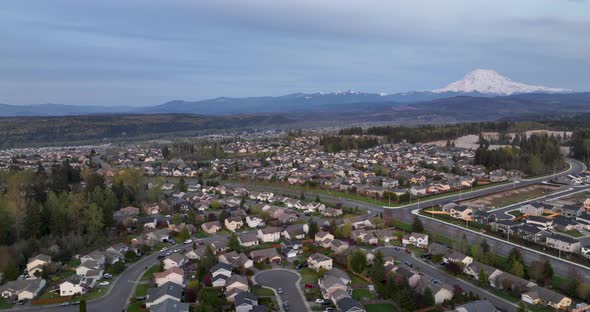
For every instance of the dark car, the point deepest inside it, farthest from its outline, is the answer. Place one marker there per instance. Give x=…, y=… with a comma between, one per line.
x=286, y=306
x=302, y=265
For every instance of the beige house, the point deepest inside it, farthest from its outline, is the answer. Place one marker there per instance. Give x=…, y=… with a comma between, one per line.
x=235, y=285
x=211, y=227
x=233, y=223
x=174, y=275
x=538, y=295
x=269, y=235
x=35, y=264
x=318, y=260
x=22, y=289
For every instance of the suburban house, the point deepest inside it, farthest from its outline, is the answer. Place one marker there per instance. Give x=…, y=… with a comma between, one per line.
x=532, y=233
x=269, y=255
x=538, y=295
x=170, y=305
x=349, y=305
x=339, y=246
x=457, y=257
x=324, y=239
x=295, y=231
x=440, y=291
x=173, y=275
x=475, y=267
x=90, y=268
x=76, y=285
x=220, y=273
x=236, y=260
x=333, y=289
x=271, y=234
x=245, y=301
x=211, y=227
x=233, y=223
x=96, y=255
x=477, y=306
x=248, y=239
x=22, y=289
x=540, y=222
x=196, y=254
x=531, y=210
x=36, y=264
x=461, y=212
x=318, y=260
x=174, y=260
x=254, y=221
x=417, y=239
x=235, y=285
x=563, y=243
x=157, y=295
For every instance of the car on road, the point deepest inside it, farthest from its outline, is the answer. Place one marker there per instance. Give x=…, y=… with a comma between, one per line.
x=286, y=306
x=177, y=250
x=67, y=303
x=329, y=310
x=408, y=263
x=160, y=257
x=163, y=249
x=320, y=301
x=188, y=241
x=280, y=290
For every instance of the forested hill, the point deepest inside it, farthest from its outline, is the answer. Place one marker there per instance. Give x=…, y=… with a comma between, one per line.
x=24, y=131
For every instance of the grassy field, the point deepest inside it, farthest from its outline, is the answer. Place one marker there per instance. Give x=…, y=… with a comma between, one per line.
x=382, y=307
x=4, y=304
x=516, y=213
x=141, y=290
x=262, y=292
x=357, y=281
x=136, y=307
x=359, y=294
x=308, y=276
x=513, y=196
x=573, y=233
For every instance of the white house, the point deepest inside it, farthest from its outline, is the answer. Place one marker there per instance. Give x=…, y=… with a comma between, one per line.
x=174, y=275
x=254, y=221
x=36, y=264
x=271, y=234
x=417, y=239
x=318, y=260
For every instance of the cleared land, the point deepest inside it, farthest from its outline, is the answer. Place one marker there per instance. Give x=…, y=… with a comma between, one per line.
x=506, y=198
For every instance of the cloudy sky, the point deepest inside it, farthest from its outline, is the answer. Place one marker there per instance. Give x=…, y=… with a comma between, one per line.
x=142, y=52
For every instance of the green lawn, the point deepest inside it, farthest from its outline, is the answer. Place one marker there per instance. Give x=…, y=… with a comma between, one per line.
x=382, y=307
x=91, y=295
x=148, y=274
x=357, y=280
x=262, y=292
x=308, y=276
x=141, y=290
x=4, y=304
x=516, y=213
x=135, y=307
x=573, y=233
x=359, y=294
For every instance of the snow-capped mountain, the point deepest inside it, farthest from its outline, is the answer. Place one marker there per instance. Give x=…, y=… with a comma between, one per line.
x=490, y=82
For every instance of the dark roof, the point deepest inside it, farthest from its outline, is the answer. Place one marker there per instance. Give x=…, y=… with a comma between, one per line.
x=220, y=266
x=245, y=298
x=170, y=305
x=349, y=304
x=477, y=306
x=169, y=288
x=564, y=238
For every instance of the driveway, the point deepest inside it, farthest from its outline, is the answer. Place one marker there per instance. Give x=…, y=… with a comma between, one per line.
x=287, y=280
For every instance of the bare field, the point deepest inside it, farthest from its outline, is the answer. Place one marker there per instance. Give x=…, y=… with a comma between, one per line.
x=506, y=198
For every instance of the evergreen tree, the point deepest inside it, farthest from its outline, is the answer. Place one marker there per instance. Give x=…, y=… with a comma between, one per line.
x=417, y=225
x=377, y=272
x=428, y=297
x=234, y=243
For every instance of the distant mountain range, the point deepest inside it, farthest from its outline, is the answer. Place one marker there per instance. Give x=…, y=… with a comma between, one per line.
x=477, y=84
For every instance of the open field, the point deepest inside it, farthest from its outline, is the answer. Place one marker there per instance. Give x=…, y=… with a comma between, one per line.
x=507, y=198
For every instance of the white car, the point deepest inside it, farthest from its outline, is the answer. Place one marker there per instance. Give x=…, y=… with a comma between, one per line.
x=163, y=249
x=104, y=283
x=188, y=241
x=320, y=301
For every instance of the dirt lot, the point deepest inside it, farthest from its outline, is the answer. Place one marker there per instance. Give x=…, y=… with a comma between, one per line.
x=514, y=196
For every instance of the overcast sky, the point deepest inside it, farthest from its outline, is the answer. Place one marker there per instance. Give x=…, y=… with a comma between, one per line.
x=113, y=52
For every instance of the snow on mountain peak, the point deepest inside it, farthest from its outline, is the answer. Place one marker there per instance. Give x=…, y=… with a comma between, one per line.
x=489, y=81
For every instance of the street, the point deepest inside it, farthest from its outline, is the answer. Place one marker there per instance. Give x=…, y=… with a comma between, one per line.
x=288, y=280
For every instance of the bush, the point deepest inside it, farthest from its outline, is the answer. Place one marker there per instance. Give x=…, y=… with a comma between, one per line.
x=116, y=268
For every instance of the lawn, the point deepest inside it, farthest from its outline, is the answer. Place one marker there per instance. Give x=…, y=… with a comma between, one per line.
x=141, y=290
x=4, y=304
x=62, y=275
x=308, y=276
x=262, y=292
x=573, y=233
x=516, y=213
x=361, y=293
x=357, y=281
x=148, y=274
x=136, y=307
x=382, y=307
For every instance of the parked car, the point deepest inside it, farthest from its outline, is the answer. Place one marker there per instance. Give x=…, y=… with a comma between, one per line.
x=163, y=249
x=107, y=276
x=104, y=283
x=302, y=265
x=309, y=286
x=286, y=306
x=188, y=241
x=22, y=301
x=329, y=310
x=408, y=263
x=320, y=301
x=139, y=298
x=280, y=290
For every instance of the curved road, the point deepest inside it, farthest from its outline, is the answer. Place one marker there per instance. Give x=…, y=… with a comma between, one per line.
x=121, y=289
x=288, y=280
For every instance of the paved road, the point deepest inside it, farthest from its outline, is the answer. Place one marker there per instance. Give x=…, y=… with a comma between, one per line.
x=288, y=280
x=448, y=279
x=116, y=299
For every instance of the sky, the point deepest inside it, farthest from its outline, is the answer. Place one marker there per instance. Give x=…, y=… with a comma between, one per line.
x=147, y=52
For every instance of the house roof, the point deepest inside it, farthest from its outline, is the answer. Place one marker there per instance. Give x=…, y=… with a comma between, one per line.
x=42, y=257
x=221, y=266
x=349, y=304
x=477, y=306
x=176, y=257
x=248, y=237
x=172, y=270
x=246, y=298
x=170, y=305
x=169, y=288
x=318, y=257
x=563, y=238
